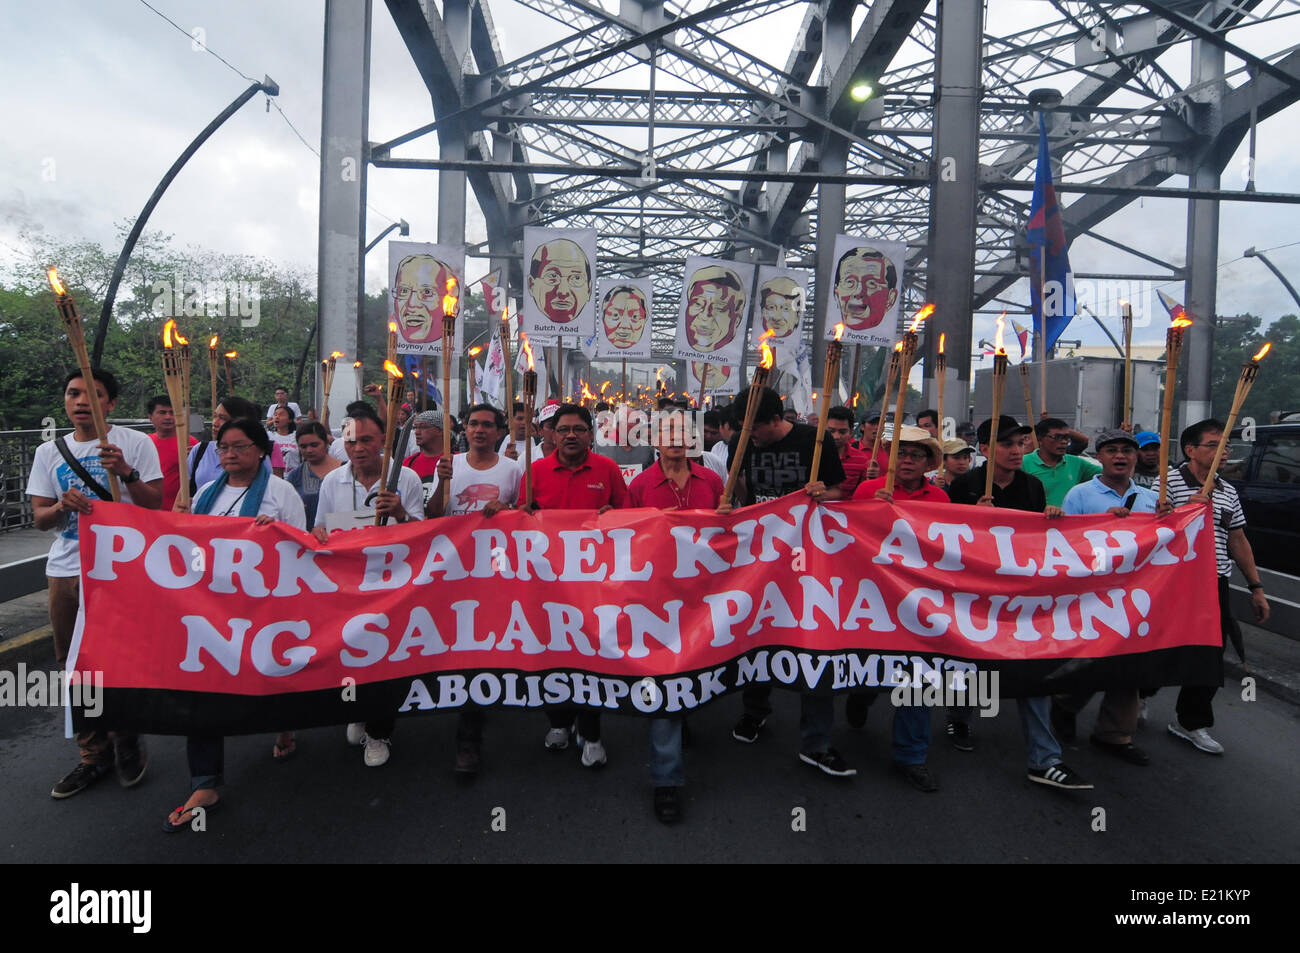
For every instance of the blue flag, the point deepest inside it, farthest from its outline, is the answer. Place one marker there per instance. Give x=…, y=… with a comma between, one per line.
x=1048, y=260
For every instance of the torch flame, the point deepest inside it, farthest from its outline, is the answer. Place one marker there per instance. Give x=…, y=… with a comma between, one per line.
x=1262, y=351
x=474, y=351
x=181, y=339
x=1002, y=325
x=898, y=347
x=167, y=332
x=1181, y=322
x=212, y=344
x=231, y=355
x=528, y=350
x=392, y=327
x=941, y=339
x=415, y=374
x=449, y=300
x=769, y=356
x=356, y=364
x=839, y=330
x=55, y=283
x=586, y=392
x=391, y=370
x=335, y=355
x=920, y=318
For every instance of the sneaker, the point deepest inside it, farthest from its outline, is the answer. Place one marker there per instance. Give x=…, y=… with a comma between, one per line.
x=855, y=710
x=1199, y=737
x=557, y=739
x=668, y=806
x=357, y=733
x=80, y=778
x=919, y=776
x=593, y=754
x=1129, y=752
x=828, y=761
x=132, y=765
x=959, y=734
x=467, y=758
x=1142, y=712
x=1062, y=724
x=376, y=752
x=1059, y=776
x=747, y=729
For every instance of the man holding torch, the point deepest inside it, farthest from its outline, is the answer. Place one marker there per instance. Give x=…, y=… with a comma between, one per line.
x=67, y=474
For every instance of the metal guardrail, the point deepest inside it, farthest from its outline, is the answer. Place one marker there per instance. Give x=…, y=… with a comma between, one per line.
x=1283, y=593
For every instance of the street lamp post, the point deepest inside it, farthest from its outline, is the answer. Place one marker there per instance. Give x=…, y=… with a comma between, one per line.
x=1251, y=253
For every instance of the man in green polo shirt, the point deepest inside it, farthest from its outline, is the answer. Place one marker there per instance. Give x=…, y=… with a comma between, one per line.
x=1059, y=471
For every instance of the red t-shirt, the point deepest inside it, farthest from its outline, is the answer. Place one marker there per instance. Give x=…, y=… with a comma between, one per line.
x=928, y=493
x=855, y=468
x=423, y=466
x=653, y=488
x=171, y=468
x=589, y=486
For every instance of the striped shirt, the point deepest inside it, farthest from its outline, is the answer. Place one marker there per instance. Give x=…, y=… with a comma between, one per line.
x=1227, y=512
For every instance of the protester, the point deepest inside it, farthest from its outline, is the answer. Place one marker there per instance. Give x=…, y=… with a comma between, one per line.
x=284, y=436
x=546, y=428
x=1056, y=469
x=512, y=445
x=243, y=489
x=917, y=452
x=728, y=427
x=672, y=483
x=1112, y=491
x=281, y=400
x=163, y=419
x=1013, y=489
x=1147, y=471
x=878, y=464
x=956, y=461
x=429, y=441
x=778, y=461
x=839, y=425
x=1194, y=709
x=66, y=473
x=353, y=491
x=575, y=478
x=205, y=466
x=928, y=420
x=313, y=448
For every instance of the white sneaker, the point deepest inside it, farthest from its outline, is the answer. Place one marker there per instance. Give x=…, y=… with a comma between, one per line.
x=557, y=739
x=1200, y=738
x=376, y=752
x=357, y=733
x=593, y=754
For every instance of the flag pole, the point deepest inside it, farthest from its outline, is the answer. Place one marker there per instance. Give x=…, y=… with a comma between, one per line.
x=1042, y=331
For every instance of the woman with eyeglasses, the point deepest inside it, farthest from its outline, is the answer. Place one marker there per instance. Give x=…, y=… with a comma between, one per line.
x=244, y=488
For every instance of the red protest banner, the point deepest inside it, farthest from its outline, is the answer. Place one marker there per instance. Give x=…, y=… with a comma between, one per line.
x=214, y=623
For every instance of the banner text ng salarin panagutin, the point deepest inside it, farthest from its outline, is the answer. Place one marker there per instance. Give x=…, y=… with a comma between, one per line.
x=215, y=624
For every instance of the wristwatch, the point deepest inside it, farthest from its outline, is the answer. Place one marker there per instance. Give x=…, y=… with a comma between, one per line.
x=131, y=477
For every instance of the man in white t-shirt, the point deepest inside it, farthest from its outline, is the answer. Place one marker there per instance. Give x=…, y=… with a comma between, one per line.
x=511, y=445
x=482, y=482
x=282, y=400
x=60, y=496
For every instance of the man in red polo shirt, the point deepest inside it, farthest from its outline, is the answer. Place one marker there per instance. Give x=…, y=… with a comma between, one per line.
x=839, y=424
x=574, y=478
x=917, y=453
x=163, y=419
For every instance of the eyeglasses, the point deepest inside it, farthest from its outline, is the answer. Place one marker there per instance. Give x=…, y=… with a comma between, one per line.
x=577, y=431
x=912, y=454
x=240, y=448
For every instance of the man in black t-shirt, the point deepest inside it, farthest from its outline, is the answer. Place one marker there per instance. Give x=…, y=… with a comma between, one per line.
x=778, y=461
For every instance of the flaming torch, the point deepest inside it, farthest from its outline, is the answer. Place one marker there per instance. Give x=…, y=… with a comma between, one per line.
x=756, y=385
x=940, y=379
x=507, y=367
x=175, y=364
x=474, y=352
x=1126, y=320
x=230, y=386
x=213, y=358
x=327, y=368
x=834, y=352
x=530, y=400
x=77, y=338
x=1173, y=349
x=390, y=431
x=359, y=371
x=391, y=353
x=1244, y=383
x=1029, y=407
x=905, y=368
x=891, y=377
x=999, y=385
x=450, y=305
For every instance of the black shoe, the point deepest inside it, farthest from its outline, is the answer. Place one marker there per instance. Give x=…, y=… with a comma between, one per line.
x=467, y=757
x=131, y=763
x=828, y=761
x=668, y=806
x=1059, y=776
x=919, y=776
x=855, y=710
x=747, y=728
x=1129, y=752
x=1062, y=724
x=960, y=735
x=80, y=778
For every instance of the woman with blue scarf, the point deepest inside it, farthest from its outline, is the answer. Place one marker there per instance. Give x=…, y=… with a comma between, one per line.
x=244, y=488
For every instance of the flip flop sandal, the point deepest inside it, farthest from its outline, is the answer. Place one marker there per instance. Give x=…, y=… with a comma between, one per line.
x=284, y=752
x=170, y=828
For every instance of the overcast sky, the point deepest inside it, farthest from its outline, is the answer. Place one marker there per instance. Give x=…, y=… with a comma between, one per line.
x=94, y=120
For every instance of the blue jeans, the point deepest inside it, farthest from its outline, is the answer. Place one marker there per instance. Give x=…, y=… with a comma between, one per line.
x=667, y=764
x=911, y=734
x=1042, y=748
x=816, y=715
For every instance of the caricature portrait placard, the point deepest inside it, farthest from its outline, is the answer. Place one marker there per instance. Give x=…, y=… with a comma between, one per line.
x=719, y=379
x=420, y=276
x=559, y=281
x=780, y=304
x=714, y=306
x=866, y=290
x=623, y=313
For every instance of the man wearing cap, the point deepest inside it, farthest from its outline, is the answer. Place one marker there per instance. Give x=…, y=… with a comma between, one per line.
x=1053, y=465
x=428, y=437
x=1112, y=491
x=956, y=461
x=839, y=424
x=546, y=428
x=1016, y=490
x=1147, y=471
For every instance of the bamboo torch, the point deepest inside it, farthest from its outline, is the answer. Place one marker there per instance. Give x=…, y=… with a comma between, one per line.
x=77, y=338
x=1029, y=407
x=759, y=381
x=508, y=367
x=530, y=401
x=450, y=305
x=1244, y=383
x=1173, y=349
x=890, y=377
x=834, y=353
x=474, y=352
x=999, y=385
x=853, y=378
x=940, y=379
x=390, y=431
x=213, y=358
x=905, y=368
x=1126, y=319
x=327, y=369
x=391, y=352
x=174, y=377
x=359, y=372
x=230, y=385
